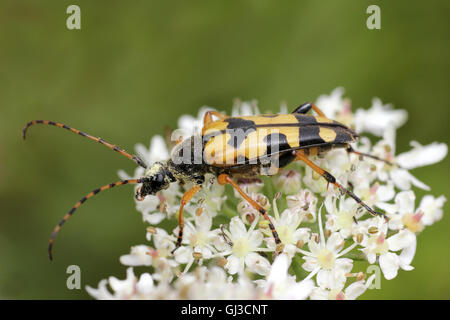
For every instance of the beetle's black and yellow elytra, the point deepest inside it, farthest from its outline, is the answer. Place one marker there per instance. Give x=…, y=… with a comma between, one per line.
x=232, y=147
x=258, y=135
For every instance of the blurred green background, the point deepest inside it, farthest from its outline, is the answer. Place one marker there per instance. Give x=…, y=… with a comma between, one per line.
x=134, y=68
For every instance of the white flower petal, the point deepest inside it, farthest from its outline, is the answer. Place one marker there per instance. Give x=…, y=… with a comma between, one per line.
x=183, y=255
x=233, y=264
x=257, y=263
x=343, y=265
x=331, y=104
x=153, y=218
x=405, y=202
x=145, y=285
x=407, y=255
x=237, y=228
x=334, y=242
x=379, y=117
x=389, y=264
x=356, y=289
x=319, y=294
x=102, y=292
x=385, y=192
x=123, y=287
x=138, y=257
x=325, y=279
x=432, y=209
x=255, y=238
x=403, y=180
x=401, y=240
x=421, y=156
x=279, y=269
x=299, y=291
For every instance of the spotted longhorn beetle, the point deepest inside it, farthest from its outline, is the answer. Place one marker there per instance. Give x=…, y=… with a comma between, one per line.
x=231, y=148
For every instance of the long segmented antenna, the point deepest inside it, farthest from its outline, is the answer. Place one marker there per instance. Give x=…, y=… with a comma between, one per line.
x=79, y=203
x=81, y=133
x=368, y=155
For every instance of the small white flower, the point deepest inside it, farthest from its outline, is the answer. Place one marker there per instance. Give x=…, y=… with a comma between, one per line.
x=304, y=203
x=341, y=218
x=212, y=197
x=288, y=182
x=421, y=156
x=244, y=249
x=287, y=226
x=198, y=239
x=402, y=214
x=281, y=285
x=139, y=256
x=378, y=118
x=324, y=257
x=337, y=291
x=432, y=209
x=333, y=103
x=315, y=182
x=157, y=152
x=378, y=246
x=247, y=211
x=161, y=254
x=123, y=289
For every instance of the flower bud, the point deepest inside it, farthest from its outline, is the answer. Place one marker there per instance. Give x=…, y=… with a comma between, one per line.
x=373, y=230
x=300, y=244
x=222, y=262
x=151, y=230
x=197, y=255
x=359, y=237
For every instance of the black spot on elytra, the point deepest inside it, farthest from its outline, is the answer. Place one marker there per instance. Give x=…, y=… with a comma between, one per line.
x=309, y=136
x=234, y=123
x=238, y=135
x=276, y=142
x=285, y=158
x=239, y=129
x=305, y=120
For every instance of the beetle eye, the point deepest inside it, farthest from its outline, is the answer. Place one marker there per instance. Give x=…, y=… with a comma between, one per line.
x=160, y=177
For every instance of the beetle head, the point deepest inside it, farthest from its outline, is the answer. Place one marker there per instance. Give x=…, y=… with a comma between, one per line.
x=157, y=177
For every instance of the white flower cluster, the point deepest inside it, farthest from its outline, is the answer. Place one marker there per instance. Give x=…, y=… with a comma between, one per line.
x=228, y=251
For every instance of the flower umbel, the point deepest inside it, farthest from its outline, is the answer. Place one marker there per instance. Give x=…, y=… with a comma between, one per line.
x=228, y=250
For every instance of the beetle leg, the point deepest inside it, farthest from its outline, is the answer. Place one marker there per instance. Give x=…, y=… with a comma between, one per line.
x=208, y=117
x=318, y=111
x=304, y=108
x=330, y=179
x=226, y=179
x=184, y=200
